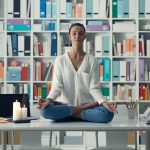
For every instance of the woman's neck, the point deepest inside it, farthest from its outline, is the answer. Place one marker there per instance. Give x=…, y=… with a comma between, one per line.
x=76, y=52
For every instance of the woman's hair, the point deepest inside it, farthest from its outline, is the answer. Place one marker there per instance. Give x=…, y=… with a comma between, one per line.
x=77, y=24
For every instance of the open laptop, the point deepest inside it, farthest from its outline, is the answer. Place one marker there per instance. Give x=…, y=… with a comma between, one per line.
x=6, y=105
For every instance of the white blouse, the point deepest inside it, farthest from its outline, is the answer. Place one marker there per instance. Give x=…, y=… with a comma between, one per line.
x=76, y=87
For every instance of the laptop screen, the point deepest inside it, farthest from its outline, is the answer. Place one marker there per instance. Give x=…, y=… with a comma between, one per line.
x=6, y=103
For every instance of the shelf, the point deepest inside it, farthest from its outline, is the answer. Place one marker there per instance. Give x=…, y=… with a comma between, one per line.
x=103, y=39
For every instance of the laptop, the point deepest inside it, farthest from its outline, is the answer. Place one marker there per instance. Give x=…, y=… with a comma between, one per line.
x=6, y=105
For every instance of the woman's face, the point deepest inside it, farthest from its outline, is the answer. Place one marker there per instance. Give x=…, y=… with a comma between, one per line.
x=77, y=35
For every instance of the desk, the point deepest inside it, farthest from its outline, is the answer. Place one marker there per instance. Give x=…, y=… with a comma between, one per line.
x=46, y=125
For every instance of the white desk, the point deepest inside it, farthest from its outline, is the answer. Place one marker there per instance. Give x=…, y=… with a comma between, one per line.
x=122, y=124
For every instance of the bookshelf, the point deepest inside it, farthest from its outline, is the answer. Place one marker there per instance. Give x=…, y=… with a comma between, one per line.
x=118, y=36
x=32, y=38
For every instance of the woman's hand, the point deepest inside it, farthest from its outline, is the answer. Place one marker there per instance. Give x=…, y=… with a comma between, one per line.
x=43, y=103
x=89, y=105
x=111, y=106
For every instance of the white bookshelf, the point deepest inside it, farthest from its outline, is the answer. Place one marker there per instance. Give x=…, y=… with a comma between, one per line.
x=39, y=29
x=141, y=30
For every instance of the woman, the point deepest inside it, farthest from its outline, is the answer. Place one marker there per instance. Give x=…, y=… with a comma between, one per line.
x=76, y=83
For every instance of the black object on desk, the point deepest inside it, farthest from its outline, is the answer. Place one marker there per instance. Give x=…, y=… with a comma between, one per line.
x=27, y=120
x=6, y=104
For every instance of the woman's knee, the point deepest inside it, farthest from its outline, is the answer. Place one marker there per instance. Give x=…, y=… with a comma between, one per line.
x=105, y=116
x=44, y=113
x=109, y=116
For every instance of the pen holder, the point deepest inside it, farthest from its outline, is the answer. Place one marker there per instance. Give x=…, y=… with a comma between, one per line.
x=131, y=113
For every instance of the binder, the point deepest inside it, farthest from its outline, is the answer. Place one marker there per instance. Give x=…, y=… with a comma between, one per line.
x=132, y=8
x=141, y=8
x=14, y=40
x=96, y=9
x=122, y=70
x=48, y=9
x=54, y=44
x=98, y=46
x=69, y=10
x=106, y=63
x=120, y=8
x=36, y=9
x=23, y=9
x=89, y=9
x=114, y=9
x=115, y=70
x=126, y=9
x=10, y=8
x=43, y=92
x=42, y=8
x=106, y=45
x=16, y=8
x=62, y=9
x=105, y=91
x=21, y=45
x=54, y=10
x=103, y=8
x=27, y=45
x=24, y=72
x=141, y=70
x=147, y=8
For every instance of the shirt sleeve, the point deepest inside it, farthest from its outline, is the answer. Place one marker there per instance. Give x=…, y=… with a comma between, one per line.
x=94, y=83
x=57, y=83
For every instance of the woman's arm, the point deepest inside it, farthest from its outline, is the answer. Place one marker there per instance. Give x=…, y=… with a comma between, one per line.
x=95, y=89
x=94, y=83
x=57, y=83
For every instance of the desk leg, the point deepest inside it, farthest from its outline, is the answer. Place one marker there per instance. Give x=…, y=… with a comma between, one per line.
x=147, y=140
x=4, y=140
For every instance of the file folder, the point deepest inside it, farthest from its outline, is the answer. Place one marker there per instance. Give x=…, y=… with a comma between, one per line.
x=48, y=9
x=106, y=63
x=17, y=8
x=126, y=9
x=122, y=70
x=69, y=10
x=89, y=9
x=114, y=9
x=54, y=10
x=141, y=8
x=115, y=70
x=36, y=9
x=120, y=8
x=141, y=70
x=53, y=44
x=14, y=40
x=106, y=45
x=62, y=8
x=10, y=8
x=96, y=8
x=147, y=8
x=42, y=8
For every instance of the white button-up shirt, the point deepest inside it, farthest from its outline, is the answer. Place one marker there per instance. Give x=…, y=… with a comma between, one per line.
x=76, y=87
